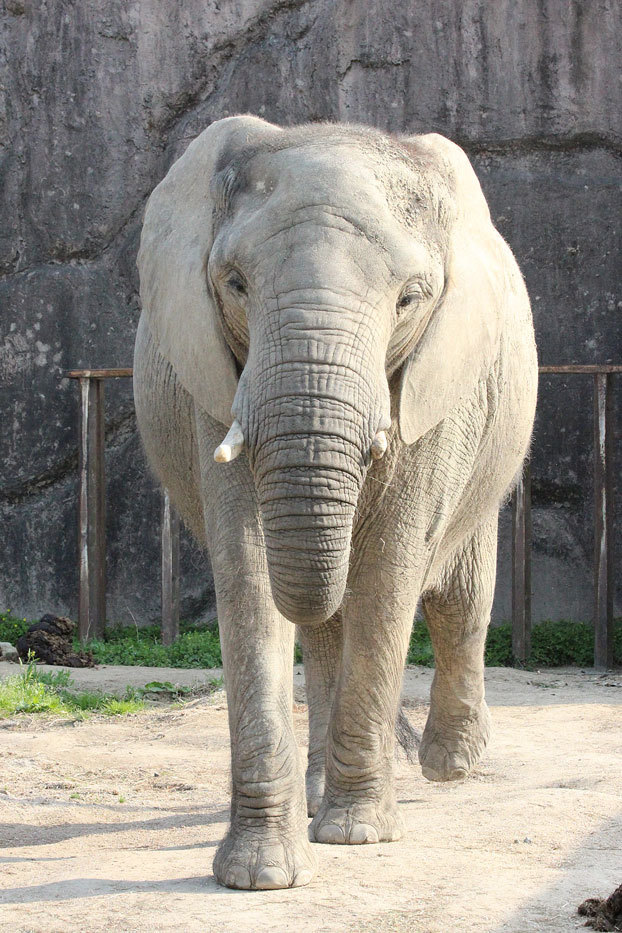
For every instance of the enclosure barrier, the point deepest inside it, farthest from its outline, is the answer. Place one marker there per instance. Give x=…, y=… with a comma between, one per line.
x=92, y=521
x=92, y=517
x=603, y=457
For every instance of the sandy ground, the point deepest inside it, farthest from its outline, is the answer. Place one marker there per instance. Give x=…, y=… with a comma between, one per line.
x=112, y=824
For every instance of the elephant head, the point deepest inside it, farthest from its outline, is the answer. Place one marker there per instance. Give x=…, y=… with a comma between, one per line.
x=289, y=276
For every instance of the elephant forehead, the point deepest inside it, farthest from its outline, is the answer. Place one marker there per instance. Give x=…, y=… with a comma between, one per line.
x=286, y=197
x=339, y=173
x=338, y=179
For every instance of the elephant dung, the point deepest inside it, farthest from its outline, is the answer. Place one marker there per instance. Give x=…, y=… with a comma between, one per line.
x=51, y=642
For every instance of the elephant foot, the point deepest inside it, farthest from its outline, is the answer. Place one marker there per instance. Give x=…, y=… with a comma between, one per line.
x=451, y=747
x=357, y=824
x=315, y=791
x=260, y=861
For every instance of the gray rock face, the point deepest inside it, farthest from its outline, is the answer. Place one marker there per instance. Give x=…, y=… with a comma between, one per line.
x=97, y=99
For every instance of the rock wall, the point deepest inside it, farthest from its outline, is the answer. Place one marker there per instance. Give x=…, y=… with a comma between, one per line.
x=98, y=97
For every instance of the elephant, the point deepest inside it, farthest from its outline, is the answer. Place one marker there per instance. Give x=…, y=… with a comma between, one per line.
x=335, y=377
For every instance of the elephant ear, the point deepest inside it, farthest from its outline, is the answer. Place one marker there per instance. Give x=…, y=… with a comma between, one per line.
x=461, y=341
x=175, y=245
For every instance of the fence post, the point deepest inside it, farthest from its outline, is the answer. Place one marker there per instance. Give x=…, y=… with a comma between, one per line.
x=92, y=511
x=170, y=571
x=603, y=520
x=521, y=566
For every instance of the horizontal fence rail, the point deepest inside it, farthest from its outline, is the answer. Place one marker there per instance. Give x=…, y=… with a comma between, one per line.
x=92, y=520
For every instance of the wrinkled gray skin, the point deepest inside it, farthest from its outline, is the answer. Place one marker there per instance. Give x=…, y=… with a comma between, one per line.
x=356, y=283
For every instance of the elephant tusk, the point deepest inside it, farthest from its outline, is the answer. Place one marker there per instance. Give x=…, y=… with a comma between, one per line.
x=379, y=445
x=232, y=445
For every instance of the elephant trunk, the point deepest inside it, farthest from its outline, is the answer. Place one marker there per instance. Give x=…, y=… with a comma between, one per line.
x=309, y=434
x=307, y=501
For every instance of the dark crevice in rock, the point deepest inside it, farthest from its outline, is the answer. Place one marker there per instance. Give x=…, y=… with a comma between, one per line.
x=119, y=431
x=546, y=493
x=372, y=64
x=35, y=485
x=528, y=144
x=225, y=52
x=85, y=255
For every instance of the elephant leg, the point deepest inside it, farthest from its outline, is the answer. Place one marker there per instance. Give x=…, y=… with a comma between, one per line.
x=359, y=803
x=457, y=611
x=321, y=651
x=267, y=844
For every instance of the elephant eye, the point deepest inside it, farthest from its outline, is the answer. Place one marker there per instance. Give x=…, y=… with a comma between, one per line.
x=236, y=283
x=411, y=295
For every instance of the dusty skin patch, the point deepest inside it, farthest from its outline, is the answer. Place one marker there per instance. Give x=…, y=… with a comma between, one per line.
x=111, y=825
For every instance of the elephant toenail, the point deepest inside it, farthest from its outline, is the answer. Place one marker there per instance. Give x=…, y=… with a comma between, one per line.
x=271, y=878
x=303, y=877
x=363, y=832
x=238, y=877
x=330, y=833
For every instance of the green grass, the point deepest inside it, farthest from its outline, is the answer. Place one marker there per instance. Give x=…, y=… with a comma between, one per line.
x=34, y=691
x=193, y=649
x=554, y=644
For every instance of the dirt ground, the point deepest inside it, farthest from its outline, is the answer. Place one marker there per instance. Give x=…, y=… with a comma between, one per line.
x=112, y=824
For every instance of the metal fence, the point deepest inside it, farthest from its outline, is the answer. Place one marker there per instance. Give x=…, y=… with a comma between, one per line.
x=92, y=521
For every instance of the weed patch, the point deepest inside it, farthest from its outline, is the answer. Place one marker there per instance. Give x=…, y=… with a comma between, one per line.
x=195, y=648
x=12, y=627
x=34, y=691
